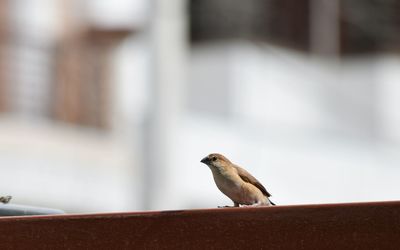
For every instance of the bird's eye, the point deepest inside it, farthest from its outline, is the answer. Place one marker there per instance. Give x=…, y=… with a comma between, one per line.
x=214, y=158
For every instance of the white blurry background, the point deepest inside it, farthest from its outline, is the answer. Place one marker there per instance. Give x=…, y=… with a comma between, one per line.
x=110, y=105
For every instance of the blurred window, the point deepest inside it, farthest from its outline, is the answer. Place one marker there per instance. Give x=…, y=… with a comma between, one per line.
x=370, y=26
x=278, y=21
x=81, y=85
x=63, y=76
x=366, y=26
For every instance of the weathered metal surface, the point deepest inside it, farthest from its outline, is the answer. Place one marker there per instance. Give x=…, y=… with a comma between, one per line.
x=335, y=226
x=19, y=210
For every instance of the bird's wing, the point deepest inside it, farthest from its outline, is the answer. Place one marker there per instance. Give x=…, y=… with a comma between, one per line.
x=247, y=177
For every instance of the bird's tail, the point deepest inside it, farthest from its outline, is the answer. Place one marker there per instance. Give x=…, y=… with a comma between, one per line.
x=273, y=204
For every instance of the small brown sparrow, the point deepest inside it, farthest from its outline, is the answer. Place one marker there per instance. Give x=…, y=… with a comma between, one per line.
x=236, y=183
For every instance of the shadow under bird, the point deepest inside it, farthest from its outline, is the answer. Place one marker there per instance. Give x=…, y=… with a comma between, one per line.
x=236, y=183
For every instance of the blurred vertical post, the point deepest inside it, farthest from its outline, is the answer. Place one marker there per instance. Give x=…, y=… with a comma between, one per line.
x=325, y=27
x=4, y=39
x=168, y=61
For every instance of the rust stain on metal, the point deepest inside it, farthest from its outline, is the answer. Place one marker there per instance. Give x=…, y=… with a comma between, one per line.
x=335, y=226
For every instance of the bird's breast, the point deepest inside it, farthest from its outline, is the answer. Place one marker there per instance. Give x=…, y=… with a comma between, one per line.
x=236, y=189
x=229, y=184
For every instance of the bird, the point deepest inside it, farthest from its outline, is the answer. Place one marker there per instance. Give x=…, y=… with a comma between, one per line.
x=5, y=199
x=236, y=183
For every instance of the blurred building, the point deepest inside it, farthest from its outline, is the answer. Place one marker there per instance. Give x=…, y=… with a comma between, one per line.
x=110, y=105
x=65, y=140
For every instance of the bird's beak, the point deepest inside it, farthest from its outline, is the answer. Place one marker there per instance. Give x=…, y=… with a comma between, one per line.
x=205, y=160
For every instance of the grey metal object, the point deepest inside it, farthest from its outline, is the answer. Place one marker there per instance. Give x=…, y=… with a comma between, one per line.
x=21, y=210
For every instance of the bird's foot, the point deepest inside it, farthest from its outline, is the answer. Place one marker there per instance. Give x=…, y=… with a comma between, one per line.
x=5, y=199
x=254, y=205
x=226, y=206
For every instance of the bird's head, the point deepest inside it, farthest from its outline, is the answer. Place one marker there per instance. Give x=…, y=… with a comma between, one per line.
x=215, y=160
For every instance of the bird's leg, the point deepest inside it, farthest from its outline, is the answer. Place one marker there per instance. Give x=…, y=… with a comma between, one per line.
x=235, y=204
x=257, y=204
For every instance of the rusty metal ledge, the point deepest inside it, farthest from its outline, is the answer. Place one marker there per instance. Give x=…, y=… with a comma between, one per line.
x=373, y=225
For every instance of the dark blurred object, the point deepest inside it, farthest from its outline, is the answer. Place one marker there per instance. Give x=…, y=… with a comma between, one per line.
x=20, y=210
x=5, y=199
x=363, y=26
x=281, y=21
x=370, y=26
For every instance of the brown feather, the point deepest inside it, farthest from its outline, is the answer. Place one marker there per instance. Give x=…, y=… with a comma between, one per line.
x=247, y=177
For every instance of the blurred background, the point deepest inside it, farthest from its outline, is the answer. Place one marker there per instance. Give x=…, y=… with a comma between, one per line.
x=110, y=105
